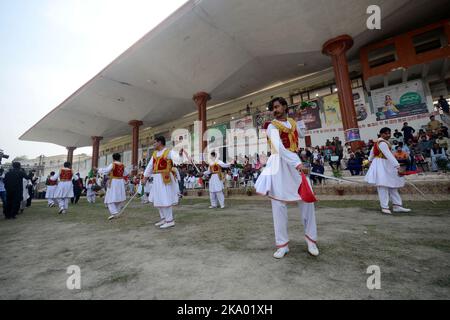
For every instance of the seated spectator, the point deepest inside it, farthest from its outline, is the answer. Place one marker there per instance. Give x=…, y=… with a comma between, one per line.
x=436, y=153
x=400, y=155
x=317, y=167
x=420, y=135
x=359, y=154
x=394, y=145
x=397, y=134
x=424, y=146
x=304, y=157
x=335, y=162
x=442, y=141
x=354, y=165
x=434, y=125
x=404, y=147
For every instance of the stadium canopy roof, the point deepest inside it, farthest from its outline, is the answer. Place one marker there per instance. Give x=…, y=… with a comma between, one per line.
x=226, y=48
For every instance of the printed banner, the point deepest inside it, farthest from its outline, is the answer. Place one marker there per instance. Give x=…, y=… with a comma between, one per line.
x=361, y=106
x=332, y=110
x=243, y=123
x=352, y=135
x=401, y=100
x=311, y=116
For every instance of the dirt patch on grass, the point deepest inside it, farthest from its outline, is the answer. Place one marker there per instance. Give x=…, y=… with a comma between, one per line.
x=225, y=254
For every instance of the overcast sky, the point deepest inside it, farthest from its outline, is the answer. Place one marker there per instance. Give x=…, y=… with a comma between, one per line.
x=50, y=48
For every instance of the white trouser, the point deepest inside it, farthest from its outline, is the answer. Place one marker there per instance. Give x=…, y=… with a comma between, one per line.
x=63, y=203
x=51, y=201
x=434, y=166
x=217, y=196
x=384, y=193
x=166, y=214
x=114, y=208
x=280, y=222
x=91, y=198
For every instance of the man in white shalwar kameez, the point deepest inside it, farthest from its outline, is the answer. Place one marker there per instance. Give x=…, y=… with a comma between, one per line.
x=115, y=194
x=51, y=189
x=64, y=191
x=281, y=180
x=165, y=189
x=216, y=181
x=384, y=173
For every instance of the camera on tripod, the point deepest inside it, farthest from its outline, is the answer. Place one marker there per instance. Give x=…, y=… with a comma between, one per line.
x=3, y=156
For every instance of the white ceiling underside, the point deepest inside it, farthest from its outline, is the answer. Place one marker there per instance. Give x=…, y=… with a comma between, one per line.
x=226, y=48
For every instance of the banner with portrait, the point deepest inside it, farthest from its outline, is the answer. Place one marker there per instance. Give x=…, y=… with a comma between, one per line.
x=332, y=110
x=402, y=100
x=311, y=116
x=243, y=123
x=361, y=106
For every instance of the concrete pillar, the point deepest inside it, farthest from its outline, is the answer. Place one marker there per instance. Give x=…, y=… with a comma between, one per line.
x=95, y=150
x=336, y=48
x=70, y=151
x=135, y=144
x=200, y=99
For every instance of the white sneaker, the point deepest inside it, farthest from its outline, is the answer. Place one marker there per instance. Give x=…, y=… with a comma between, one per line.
x=160, y=223
x=222, y=207
x=111, y=217
x=281, y=252
x=167, y=225
x=386, y=211
x=211, y=207
x=401, y=209
x=312, y=248
x=61, y=211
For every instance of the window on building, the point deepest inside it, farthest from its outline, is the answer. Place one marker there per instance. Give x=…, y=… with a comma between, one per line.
x=296, y=99
x=382, y=56
x=357, y=83
x=430, y=40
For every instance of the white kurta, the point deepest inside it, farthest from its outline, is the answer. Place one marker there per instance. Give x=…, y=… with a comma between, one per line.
x=215, y=184
x=116, y=190
x=64, y=188
x=50, y=192
x=162, y=195
x=383, y=172
x=280, y=179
